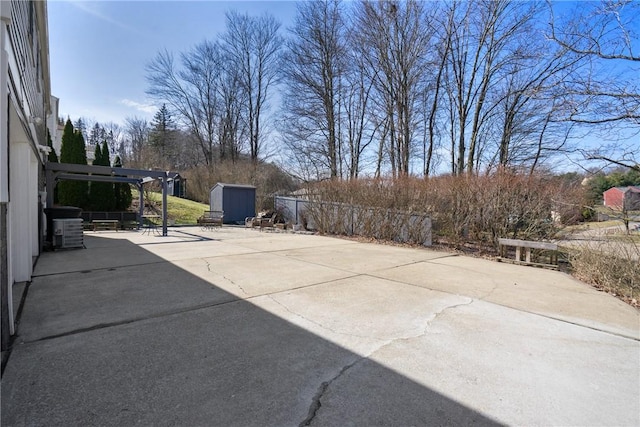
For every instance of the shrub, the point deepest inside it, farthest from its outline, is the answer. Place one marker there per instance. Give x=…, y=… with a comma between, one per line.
x=610, y=265
x=464, y=209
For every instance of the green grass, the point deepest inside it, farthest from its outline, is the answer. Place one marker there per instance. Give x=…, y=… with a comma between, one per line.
x=182, y=211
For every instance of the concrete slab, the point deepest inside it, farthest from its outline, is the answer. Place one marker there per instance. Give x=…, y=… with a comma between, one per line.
x=308, y=330
x=99, y=253
x=536, y=290
x=255, y=274
x=366, y=259
x=348, y=311
x=231, y=365
x=204, y=248
x=478, y=355
x=278, y=241
x=60, y=304
x=521, y=368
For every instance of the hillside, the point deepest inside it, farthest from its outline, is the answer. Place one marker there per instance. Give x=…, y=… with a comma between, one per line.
x=179, y=211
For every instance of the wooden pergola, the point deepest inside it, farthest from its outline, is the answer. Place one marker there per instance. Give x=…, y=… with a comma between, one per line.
x=55, y=172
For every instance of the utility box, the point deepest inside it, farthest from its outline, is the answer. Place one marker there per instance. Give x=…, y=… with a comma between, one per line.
x=67, y=233
x=236, y=201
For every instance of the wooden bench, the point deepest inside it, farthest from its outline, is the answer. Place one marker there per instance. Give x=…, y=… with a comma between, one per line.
x=210, y=219
x=541, y=254
x=105, y=224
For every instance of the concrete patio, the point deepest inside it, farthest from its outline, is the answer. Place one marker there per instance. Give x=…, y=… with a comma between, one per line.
x=236, y=327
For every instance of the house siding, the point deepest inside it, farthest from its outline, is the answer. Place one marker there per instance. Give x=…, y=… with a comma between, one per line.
x=25, y=94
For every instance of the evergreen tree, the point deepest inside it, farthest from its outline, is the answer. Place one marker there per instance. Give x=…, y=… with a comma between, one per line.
x=163, y=135
x=122, y=191
x=52, y=157
x=73, y=193
x=94, y=187
x=68, y=140
x=101, y=193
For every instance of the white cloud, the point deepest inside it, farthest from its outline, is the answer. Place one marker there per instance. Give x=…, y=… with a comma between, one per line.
x=145, y=108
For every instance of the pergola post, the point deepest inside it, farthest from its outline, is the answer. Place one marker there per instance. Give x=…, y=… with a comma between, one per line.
x=50, y=186
x=165, y=189
x=140, y=186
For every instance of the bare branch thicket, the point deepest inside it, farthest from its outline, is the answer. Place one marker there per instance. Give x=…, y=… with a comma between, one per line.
x=605, y=93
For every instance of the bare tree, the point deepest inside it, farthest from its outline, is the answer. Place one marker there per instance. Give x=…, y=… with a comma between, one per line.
x=253, y=44
x=605, y=93
x=137, y=131
x=313, y=67
x=190, y=90
x=394, y=39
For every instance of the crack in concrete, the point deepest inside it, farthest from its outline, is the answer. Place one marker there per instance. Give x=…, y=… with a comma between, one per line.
x=224, y=277
x=316, y=402
x=425, y=329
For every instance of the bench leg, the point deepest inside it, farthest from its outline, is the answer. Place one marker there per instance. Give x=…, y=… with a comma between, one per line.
x=528, y=255
x=518, y=254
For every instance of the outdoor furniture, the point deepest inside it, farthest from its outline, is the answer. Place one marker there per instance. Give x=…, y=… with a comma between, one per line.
x=105, y=224
x=211, y=219
x=149, y=224
x=267, y=222
x=252, y=221
x=541, y=254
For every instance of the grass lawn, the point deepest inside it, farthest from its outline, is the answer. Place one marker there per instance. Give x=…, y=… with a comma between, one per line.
x=182, y=211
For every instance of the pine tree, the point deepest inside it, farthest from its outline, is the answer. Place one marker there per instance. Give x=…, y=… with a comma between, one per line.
x=122, y=191
x=53, y=158
x=101, y=193
x=162, y=136
x=67, y=189
x=94, y=187
x=68, y=140
x=81, y=187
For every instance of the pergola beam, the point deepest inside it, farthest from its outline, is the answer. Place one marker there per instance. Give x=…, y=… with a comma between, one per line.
x=75, y=172
x=95, y=178
x=103, y=170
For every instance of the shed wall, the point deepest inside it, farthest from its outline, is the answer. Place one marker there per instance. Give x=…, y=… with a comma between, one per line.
x=237, y=203
x=613, y=198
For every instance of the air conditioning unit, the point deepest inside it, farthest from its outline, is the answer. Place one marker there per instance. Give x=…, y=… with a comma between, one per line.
x=67, y=233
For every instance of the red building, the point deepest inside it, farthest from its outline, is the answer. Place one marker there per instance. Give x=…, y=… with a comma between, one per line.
x=615, y=197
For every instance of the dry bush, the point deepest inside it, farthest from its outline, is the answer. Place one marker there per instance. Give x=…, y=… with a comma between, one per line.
x=464, y=209
x=611, y=265
x=267, y=178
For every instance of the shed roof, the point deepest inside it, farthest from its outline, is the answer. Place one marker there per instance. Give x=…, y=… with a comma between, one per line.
x=632, y=188
x=222, y=184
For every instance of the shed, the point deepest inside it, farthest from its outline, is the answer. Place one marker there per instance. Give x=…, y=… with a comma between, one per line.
x=176, y=184
x=235, y=200
x=619, y=197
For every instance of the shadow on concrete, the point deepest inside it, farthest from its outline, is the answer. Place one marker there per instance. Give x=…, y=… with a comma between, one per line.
x=152, y=344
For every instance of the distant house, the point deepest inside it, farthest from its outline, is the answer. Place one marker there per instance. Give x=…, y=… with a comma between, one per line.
x=236, y=201
x=619, y=197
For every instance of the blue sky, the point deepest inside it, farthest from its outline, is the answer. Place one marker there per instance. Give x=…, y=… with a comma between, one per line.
x=98, y=49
